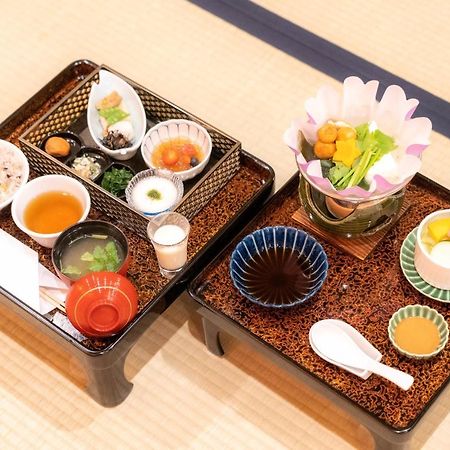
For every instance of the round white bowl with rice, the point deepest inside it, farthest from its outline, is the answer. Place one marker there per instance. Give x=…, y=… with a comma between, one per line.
x=14, y=172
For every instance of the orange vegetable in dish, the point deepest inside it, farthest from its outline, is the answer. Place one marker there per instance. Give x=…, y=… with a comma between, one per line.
x=346, y=152
x=177, y=154
x=170, y=156
x=327, y=133
x=324, y=150
x=345, y=133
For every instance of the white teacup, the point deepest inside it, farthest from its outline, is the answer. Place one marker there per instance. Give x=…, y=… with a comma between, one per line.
x=430, y=270
x=38, y=186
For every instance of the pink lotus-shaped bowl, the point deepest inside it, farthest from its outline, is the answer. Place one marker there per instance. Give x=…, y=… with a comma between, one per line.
x=356, y=104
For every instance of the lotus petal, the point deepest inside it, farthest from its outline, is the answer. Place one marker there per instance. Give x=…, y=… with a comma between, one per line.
x=356, y=104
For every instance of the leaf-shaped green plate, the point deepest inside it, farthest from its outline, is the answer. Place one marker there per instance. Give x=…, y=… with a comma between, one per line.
x=410, y=272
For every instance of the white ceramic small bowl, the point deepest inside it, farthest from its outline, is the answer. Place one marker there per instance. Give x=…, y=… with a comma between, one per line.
x=8, y=148
x=170, y=129
x=38, y=186
x=133, y=104
x=433, y=273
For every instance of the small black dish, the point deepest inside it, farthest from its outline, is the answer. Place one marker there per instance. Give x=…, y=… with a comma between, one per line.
x=118, y=166
x=102, y=159
x=74, y=141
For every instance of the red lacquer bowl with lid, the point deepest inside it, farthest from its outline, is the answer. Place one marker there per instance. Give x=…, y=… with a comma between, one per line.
x=100, y=304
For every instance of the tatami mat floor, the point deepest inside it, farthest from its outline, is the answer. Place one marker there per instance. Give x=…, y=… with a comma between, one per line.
x=184, y=397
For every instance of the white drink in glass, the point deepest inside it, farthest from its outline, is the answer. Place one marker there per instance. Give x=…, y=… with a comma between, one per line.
x=169, y=232
x=171, y=246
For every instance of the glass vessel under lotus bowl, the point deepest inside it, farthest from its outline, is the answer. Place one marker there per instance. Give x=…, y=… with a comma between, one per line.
x=350, y=218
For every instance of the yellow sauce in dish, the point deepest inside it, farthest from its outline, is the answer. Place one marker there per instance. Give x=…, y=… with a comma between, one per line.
x=417, y=335
x=52, y=212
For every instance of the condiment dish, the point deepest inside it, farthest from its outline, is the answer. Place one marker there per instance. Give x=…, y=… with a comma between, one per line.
x=42, y=185
x=420, y=311
x=73, y=141
x=13, y=166
x=177, y=128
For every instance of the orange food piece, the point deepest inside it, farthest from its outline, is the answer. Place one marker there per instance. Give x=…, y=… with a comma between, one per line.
x=188, y=149
x=327, y=133
x=176, y=154
x=170, y=156
x=345, y=133
x=324, y=150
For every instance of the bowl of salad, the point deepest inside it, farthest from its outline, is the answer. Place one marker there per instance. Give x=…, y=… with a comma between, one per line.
x=356, y=155
x=14, y=172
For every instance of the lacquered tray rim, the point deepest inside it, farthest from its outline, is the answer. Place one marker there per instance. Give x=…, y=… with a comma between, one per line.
x=195, y=284
x=265, y=186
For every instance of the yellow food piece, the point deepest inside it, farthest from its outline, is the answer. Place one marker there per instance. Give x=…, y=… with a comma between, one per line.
x=346, y=152
x=345, y=133
x=327, y=133
x=439, y=229
x=110, y=101
x=57, y=146
x=324, y=150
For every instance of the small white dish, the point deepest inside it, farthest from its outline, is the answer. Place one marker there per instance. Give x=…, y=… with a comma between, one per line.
x=359, y=340
x=174, y=128
x=38, y=186
x=160, y=180
x=427, y=267
x=133, y=105
x=9, y=152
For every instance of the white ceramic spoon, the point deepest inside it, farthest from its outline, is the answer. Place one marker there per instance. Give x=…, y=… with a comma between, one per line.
x=333, y=342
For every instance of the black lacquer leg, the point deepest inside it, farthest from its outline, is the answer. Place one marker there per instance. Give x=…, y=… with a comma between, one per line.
x=382, y=443
x=108, y=385
x=212, y=338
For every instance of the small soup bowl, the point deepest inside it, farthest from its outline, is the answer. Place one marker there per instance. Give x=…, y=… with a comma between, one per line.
x=438, y=275
x=100, y=304
x=86, y=229
x=42, y=185
x=278, y=267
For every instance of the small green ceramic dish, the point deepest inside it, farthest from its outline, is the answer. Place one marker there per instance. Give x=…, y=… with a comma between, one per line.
x=411, y=274
x=419, y=311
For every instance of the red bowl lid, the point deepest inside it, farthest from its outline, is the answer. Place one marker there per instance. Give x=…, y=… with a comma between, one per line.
x=101, y=303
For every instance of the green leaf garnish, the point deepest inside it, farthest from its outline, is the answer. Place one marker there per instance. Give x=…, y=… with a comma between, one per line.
x=116, y=180
x=87, y=256
x=105, y=258
x=373, y=145
x=71, y=270
x=113, y=115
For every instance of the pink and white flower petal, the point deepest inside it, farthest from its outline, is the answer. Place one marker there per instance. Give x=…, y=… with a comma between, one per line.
x=359, y=100
x=390, y=113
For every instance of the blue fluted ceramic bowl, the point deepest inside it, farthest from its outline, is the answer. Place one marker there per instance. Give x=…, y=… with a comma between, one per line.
x=278, y=266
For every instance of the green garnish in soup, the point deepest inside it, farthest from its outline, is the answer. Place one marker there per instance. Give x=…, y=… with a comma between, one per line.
x=86, y=254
